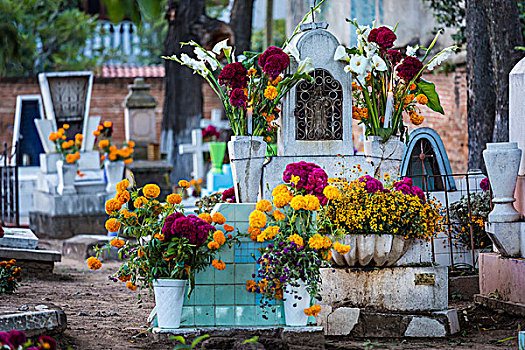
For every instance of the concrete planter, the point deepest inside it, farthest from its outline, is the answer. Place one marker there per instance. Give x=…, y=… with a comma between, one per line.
x=298, y=296
x=169, y=298
x=502, y=160
x=385, y=156
x=372, y=250
x=114, y=173
x=66, y=177
x=247, y=155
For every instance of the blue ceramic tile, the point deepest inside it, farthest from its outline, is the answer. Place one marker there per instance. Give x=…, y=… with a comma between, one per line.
x=245, y=315
x=244, y=272
x=191, y=300
x=204, y=316
x=242, y=296
x=204, y=295
x=224, y=294
x=227, y=254
x=224, y=315
x=225, y=276
x=188, y=316
x=205, y=277
x=242, y=226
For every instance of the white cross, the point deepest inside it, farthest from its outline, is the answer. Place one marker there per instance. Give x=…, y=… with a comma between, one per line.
x=197, y=148
x=215, y=120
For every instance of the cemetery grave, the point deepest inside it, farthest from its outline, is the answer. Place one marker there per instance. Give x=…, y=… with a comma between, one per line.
x=297, y=242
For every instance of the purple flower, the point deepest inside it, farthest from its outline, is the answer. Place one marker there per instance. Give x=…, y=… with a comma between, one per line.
x=234, y=75
x=229, y=195
x=407, y=187
x=273, y=61
x=238, y=98
x=372, y=185
x=168, y=223
x=312, y=178
x=485, y=184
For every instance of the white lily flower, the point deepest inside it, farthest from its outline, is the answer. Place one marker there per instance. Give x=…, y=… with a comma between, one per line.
x=347, y=68
x=359, y=64
x=185, y=59
x=305, y=66
x=378, y=63
x=291, y=50
x=222, y=45
x=362, y=79
x=440, y=58
x=411, y=51
x=341, y=55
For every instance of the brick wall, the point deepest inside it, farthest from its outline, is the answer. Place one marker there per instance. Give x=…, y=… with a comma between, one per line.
x=109, y=93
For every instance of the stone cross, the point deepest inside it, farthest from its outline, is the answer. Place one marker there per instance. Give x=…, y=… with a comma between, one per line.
x=197, y=148
x=215, y=120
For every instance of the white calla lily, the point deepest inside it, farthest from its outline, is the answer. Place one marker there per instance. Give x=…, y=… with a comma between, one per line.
x=305, y=66
x=359, y=64
x=291, y=50
x=378, y=63
x=222, y=45
x=341, y=54
x=347, y=68
x=411, y=51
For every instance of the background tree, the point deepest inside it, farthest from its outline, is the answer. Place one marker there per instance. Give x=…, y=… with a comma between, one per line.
x=241, y=24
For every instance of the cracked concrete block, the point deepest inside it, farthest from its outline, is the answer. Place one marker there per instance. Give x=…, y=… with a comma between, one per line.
x=425, y=327
x=342, y=320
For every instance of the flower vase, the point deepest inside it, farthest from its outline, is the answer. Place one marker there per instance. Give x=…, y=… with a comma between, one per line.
x=295, y=300
x=217, y=151
x=372, y=250
x=502, y=160
x=385, y=157
x=114, y=173
x=66, y=177
x=247, y=155
x=169, y=298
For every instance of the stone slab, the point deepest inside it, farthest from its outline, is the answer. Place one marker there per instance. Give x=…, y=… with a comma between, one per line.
x=297, y=338
x=516, y=309
x=76, y=204
x=507, y=237
x=30, y=254
x=504, y=275
x=386, y=289
x=463, y=287
x=33, y=319
x=82, y=247
x=357, y=323
x=66, y=226
x=145, y=172
x=19, y=238
x=419, y=252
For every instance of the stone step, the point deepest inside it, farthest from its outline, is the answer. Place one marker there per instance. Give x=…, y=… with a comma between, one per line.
x=33, y=319
x=34, y=262
x=82, y=247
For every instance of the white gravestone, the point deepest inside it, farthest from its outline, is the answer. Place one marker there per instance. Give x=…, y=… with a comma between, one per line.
x=216, y=120
x=139, y=114
x=197, y=149
x=22, y=238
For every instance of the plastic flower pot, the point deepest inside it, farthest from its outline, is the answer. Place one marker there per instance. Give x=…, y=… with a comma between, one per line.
x=247, y=155
x=295, y=300
x=66, y=177
x=114, y=173
x=372, y=250
x=271, y=150
x=169, y=298
x=217, y=151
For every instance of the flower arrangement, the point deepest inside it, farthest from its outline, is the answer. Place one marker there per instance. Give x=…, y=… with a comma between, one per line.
x=169, y=243
x=479, y=211
x=367, y=206
x=18, y=340
x=296, y=251
x=387, y=83
x=10, y=276
x=69, y=149
x=228, y=195
x=210, y=134
x=251, y=87
x=111, y=152
x=191, y=188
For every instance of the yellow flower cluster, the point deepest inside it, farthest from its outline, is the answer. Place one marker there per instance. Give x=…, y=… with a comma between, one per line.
x=281, y=196
x=270, y=92
x=341, y=248
x=331, y=192
x=264, y=205
x=174, y=198
x=313, y=310
x=268, y=234
x=296, y=239
x=318, y=241
x=308, y=202
x=257, y=219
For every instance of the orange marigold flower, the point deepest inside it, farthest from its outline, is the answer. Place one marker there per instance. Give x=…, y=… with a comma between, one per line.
x=296, y=239
x=107, y=124
x=341, y=248
x=124, y=278
x=213, y=245
x=140, y=201
x=218, y=264
x=270, y=92
x=174, y=198
x=151, y=191
x=413, y=86
x=218, y=236
x=96, y=133
x=251, y=72
x=141, y=253
x=131, y=286
x=415, y=118
x=53, y=136
x=206, y=217
x=93, y=263
x=257, y=219
x=112, y=225
x=184, y=184
x=228, y=228
x=218, y=218
x=123, y=197
x=313, y=310
x=112, y=205
x=103, y=144
x=128, y=161
x=117, y=243
x=159, y=236
x=278, y=215
x=251, y=286
x=254, y=233
x=70, y=158
x=264, y=205
x=422, y=99
x=122, y=185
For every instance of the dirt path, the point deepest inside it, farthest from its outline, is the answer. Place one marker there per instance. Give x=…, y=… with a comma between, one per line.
x=105, y=315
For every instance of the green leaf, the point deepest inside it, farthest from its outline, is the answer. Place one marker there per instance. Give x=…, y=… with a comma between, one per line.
x=429, y=90
x=150, y=8
x=179, y=338
x=199, y=339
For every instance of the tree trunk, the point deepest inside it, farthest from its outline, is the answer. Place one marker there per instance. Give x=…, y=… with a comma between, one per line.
x=241, y=24
x=503, y=23
x=268, y=33
x=481, y=97
x=183, y=100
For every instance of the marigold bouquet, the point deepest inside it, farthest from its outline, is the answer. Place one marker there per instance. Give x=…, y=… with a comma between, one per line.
x=366, y=206
x=388, y=83
x=169, y=243
x=69, y=149
x=111, y=152
x=10, y=276
x=253, y=86
x=296, y=251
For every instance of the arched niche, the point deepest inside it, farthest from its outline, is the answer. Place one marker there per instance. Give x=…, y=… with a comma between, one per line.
x=425, y=154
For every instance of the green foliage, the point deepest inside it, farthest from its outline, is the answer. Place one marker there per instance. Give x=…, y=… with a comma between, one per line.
x=206, y=203
x=279, y=36
x=57, y=25
x=459, y=214
x=10, y=276
x=428, y=89
x=184, y=346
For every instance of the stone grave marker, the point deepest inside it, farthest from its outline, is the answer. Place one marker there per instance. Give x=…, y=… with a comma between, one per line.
x=197, y=149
